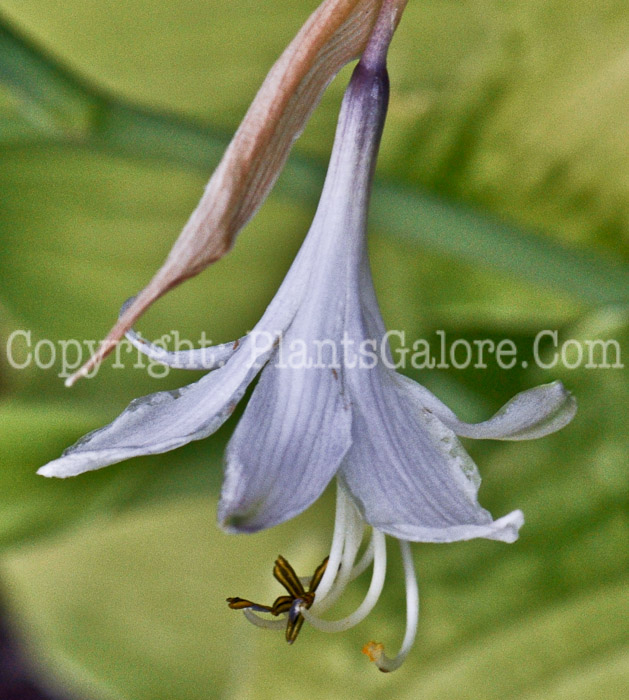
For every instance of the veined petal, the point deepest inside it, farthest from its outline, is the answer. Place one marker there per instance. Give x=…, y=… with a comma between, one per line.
x=528, y=415
x=169, y=419
x=286, y=448
x=406, y=470
x=408, y=473
x=163, y=421
x=296, y=428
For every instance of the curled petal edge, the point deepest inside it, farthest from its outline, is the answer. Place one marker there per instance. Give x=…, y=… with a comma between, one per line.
x=505, y=529
x=209, y=358
x=530, y=414
x=205, y=358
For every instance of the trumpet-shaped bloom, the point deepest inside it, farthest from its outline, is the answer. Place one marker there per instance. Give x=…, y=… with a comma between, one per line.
x=337, y=408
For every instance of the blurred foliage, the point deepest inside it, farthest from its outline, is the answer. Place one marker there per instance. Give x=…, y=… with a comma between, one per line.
x=501, y=210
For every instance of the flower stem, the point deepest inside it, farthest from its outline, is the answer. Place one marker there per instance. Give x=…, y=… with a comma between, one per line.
x=375, y=53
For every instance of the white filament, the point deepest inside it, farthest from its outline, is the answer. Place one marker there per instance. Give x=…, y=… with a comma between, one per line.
x=353, y=535
x=338, y=540
x=263, y=622
x=365, y=560
x=370, y=600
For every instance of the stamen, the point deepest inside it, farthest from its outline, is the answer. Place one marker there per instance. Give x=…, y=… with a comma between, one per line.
x=353, y=536
x=370, y=600
x=288, y=606
x=365, y=560
x=284, y=573
x=338, y=540
x=375, y=650
x=263, y=622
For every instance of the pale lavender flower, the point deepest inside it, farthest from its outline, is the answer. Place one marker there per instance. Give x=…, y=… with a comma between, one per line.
x=391, y=444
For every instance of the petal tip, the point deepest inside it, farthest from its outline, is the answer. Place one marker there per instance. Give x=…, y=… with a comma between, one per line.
x=49, y=470
x=565, y=403
x=72, y=465
x=529, y=415
x=235, y=524
x=507, y=528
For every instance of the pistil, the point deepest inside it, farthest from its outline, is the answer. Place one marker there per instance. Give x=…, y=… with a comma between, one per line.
x=375, y=650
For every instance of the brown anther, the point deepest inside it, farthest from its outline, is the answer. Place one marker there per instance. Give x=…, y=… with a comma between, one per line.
x=290, y=604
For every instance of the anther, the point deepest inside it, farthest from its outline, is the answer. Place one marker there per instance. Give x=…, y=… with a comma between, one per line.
x=298, y=597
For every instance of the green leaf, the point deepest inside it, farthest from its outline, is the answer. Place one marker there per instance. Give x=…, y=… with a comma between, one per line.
x=49, y=99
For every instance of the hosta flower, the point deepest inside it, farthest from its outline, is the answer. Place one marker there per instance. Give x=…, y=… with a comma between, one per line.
x=335, y=408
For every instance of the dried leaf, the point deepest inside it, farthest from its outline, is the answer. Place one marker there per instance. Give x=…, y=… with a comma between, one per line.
x=334, y=34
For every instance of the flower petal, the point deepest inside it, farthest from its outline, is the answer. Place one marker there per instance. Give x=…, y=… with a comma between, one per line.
x=286, y=448
x=408, y=473
x=162, y=421
x=207, y=358
x=528, y=415
x=169, y=419
x=296, y=428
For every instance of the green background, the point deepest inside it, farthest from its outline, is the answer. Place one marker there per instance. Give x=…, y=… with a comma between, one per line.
x=501, y=209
